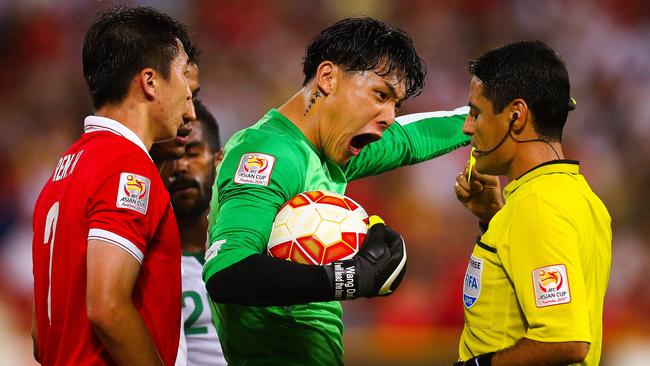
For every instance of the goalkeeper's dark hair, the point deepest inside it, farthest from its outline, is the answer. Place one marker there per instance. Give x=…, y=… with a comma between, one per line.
x=361, y=44
x=532, y=71
x=123, y=40
x=209, y=125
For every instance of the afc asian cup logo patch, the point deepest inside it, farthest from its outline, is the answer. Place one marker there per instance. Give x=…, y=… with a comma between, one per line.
x=472, y=286
x=133, y=192
x=255, y=168
x=551, y=285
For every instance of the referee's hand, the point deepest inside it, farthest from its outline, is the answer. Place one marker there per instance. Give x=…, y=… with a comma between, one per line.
x=481, y=195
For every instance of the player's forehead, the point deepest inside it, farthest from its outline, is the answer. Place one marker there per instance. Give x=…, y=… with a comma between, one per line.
x=393, y=74
x=476, y=96
x=391, y=79
x=181, y=56
x=396, y=82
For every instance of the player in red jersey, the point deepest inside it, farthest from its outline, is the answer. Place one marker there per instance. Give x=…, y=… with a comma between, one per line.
x=106, y=249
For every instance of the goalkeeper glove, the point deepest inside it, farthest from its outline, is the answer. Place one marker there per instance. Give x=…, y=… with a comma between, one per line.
x=376, y=270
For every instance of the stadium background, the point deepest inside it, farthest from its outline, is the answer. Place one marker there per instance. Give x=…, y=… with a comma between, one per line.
x=251, y=61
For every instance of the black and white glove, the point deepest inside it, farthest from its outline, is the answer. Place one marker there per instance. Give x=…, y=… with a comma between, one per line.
x=376, y=270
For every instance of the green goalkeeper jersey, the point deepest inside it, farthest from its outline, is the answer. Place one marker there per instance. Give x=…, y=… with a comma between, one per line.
x=263, y=167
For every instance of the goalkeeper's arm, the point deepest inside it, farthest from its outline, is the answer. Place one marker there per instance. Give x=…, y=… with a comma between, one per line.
x=266, y=281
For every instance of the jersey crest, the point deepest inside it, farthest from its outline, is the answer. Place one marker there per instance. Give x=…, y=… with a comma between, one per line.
x=133, y=192
x=255, y=168
x=472, y=286
x=551, y=285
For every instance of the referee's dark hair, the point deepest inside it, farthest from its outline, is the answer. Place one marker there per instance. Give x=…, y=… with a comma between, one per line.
x=209, y=125
x=361, y=44
x=532, y=71
x=124, y=40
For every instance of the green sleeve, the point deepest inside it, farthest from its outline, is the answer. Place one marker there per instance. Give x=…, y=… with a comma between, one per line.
x=413, y=138
x=241, y=215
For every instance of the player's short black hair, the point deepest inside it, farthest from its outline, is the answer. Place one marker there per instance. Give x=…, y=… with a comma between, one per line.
x=124, y=40
x=209, y=124
x=530, y=70
x=360, y=44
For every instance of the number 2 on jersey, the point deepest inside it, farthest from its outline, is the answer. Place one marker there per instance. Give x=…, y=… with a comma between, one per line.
x=196, y=313
x=48, y=238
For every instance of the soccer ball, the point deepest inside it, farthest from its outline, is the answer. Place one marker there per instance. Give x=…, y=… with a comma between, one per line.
x=318, y=227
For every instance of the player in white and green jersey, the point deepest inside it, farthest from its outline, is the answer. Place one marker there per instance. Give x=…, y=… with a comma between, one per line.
x=203, y=346
x=189, y=181
x=339, y=127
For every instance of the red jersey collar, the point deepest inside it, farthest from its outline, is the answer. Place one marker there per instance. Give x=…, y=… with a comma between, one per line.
x=103, y=124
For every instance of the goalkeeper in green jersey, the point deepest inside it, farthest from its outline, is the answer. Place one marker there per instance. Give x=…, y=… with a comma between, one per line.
x=340, y=126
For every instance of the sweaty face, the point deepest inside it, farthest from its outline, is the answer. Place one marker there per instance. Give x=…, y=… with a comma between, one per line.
x=175, y=148
x=360, y=108
x=487, y=130
x=189, y=179
x=172, y=96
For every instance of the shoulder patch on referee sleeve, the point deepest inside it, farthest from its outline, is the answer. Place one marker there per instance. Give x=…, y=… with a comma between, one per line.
x=133, y=192
x=551, y=285
x=255, y=168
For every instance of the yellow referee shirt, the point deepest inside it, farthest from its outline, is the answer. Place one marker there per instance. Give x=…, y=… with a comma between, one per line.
x=541, y=269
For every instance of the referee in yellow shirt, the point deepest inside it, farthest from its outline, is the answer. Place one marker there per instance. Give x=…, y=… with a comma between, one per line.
x=536, y=279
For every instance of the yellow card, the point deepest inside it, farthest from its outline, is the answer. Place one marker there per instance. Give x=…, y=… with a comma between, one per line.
x=472, y=162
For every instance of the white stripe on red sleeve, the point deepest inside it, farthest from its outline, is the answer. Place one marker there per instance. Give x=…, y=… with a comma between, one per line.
x=121, y=242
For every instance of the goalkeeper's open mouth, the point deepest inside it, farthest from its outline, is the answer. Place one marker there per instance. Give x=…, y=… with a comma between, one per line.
x=358, y=142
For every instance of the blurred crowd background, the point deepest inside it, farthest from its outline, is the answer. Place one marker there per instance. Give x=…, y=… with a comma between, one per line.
x=251, y=61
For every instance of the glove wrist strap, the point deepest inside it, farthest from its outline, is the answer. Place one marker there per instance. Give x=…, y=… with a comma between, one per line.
x=345, y=280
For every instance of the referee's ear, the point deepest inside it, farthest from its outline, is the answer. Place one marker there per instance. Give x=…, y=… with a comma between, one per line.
x=519, y=118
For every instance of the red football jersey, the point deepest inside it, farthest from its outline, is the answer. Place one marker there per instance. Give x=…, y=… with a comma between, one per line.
x=105, y=187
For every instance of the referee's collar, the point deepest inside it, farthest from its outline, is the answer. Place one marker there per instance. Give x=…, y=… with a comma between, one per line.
x=549, y=167
x=104, y=124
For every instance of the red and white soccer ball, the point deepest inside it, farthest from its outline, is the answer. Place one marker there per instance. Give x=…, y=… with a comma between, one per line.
x=318, y=227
